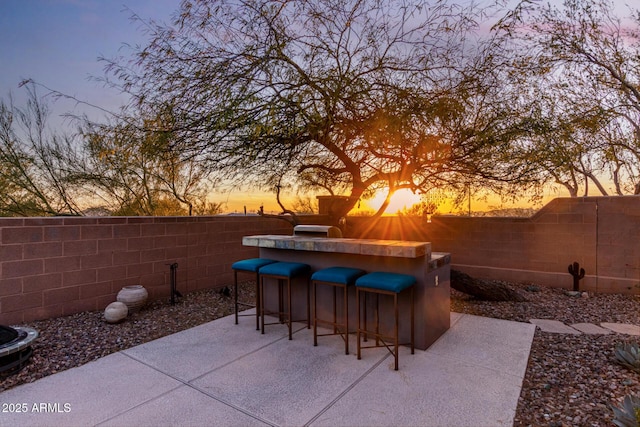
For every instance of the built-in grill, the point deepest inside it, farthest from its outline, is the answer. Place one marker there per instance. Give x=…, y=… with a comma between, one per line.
x=317, y=231
x=15, y=348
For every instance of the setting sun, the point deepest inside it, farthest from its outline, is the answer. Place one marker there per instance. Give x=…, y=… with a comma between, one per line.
x=400, y=200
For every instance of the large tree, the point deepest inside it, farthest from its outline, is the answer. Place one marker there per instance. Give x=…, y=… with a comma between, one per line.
x=36, y=163
x=117, y=166
x=342, y=96
x=587, y=59
x=134, y=172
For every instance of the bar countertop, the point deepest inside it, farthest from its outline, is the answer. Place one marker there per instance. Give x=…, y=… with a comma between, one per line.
x=389, y=248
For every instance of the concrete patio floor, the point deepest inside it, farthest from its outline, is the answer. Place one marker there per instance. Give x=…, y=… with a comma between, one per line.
x=222, y=374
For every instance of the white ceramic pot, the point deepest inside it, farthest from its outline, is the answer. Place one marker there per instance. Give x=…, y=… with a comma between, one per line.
x=115, y=312
x=134, y=296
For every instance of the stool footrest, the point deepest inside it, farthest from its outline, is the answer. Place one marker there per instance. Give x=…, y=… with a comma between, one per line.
x=388, y=346
x=247, y=304
x=336, y=326
x=284, y=321
x=333, y=334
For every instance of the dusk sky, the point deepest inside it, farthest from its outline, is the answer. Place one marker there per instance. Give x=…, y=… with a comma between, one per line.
x=57, y=43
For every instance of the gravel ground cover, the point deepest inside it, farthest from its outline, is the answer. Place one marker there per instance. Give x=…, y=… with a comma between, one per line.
x=571, y=380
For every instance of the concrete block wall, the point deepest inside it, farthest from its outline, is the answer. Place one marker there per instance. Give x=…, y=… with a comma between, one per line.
x=601, y=233
x=618, y=243
x=58, y=266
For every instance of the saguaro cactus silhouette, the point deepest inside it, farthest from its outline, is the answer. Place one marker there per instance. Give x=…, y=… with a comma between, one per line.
x=577, y=273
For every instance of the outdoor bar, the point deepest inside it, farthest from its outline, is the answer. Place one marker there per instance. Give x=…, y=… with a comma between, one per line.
x=431, y=270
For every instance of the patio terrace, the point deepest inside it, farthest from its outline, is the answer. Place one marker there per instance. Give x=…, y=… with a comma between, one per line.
x=225, y=374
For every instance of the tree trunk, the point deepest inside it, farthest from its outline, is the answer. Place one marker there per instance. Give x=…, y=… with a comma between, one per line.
x=487, y=290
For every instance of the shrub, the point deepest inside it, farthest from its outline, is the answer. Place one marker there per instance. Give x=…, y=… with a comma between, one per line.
x=629, y=414
x=628, y=355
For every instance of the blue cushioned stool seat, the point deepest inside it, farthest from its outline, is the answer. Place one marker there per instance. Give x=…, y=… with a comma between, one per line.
x=284, y=272
x=342, y=275
x=286, y=269
x=251, y=265
x=382, y=283
x=392, y=282
x=336, y=277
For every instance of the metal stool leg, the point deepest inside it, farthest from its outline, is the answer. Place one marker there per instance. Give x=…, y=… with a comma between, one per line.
x=395, y=341
x=262, y=303
x=237, y=303
x=289, y=318
x=335, y=316
x=345, y=316
x=235, y=292
x=376, y=317
x=359, y=320
x=280, y=301
x=308, y=305
x=412, y=321
x=314, y=286
x=257, y=302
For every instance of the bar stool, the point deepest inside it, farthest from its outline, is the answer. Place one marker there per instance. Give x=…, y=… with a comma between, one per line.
x=336, y=277
x=380, y=283
x=249, y=266
x=284, y=272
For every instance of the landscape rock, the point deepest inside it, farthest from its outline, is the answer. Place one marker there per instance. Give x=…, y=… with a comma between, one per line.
x=622, y=328
x=116, y=312
x=487, y=290
x=590, y=328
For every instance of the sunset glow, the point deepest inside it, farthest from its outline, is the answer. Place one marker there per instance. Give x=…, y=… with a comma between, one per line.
x=400, y=200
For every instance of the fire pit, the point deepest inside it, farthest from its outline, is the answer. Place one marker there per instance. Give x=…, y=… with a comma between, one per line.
x=15, y=348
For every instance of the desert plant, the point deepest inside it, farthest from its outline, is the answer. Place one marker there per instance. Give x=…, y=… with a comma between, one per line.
x=628, y=355
x=577, y=273
x=629, y=414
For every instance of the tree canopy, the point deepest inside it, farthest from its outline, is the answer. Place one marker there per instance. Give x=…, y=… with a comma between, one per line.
x=348, y=98
x=584, y=60
x=116, y=168
x=34, y=162
x=340, y=96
